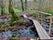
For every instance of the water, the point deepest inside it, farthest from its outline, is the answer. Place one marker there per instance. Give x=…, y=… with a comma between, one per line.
x=6, y=34
x=21, y=31
x=0, y=35
x=26, y=32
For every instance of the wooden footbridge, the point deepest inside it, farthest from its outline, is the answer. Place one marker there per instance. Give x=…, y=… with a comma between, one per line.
x=41, y=31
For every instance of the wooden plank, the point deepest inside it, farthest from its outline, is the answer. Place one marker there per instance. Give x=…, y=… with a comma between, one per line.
x=41, y=31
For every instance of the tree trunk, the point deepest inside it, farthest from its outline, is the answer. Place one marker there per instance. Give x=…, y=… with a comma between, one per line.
x=2, y=6
x=22, y=5
x=25, y=4
x=11, y=11
x=39, y=7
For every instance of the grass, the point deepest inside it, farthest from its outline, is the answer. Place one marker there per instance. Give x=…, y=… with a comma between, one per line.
x=48, y=11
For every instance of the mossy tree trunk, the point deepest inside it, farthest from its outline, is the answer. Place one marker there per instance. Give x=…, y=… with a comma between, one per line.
x=2, y=6
x=11, y=11
x=22, y=5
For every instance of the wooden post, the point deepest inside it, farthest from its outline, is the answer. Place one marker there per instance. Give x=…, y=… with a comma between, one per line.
x=40, y=17
x=50, y=25
x=37, y=16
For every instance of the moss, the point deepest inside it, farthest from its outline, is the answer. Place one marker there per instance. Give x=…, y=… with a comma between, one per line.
x=6, y=10
x=48, y=11
x=33, y=12
x=17, y=21
x=17, y=10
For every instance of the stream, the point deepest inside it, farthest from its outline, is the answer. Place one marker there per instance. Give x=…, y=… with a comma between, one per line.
x=27, y=32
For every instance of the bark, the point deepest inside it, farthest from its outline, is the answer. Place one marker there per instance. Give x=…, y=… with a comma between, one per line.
x=2, y=6
x=25, y=4
x=11, y=11
x=22, y=5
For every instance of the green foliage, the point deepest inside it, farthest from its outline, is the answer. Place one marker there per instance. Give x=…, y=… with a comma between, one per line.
x=18, y=21
x=11, y=11
x=48, y=10
x=6, y=10
x=13, y=20
x=17, y=10
x=33, y=13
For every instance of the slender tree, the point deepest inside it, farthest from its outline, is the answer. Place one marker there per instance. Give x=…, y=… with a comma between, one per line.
x=22, y=5
x=34, y=0
x=25, y=4
x=2, y=6
x=39, y=2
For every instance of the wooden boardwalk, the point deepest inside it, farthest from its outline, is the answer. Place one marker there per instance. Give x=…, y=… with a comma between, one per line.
x=41, y=31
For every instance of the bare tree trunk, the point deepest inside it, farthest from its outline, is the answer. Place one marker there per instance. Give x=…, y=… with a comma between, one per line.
x=25, y=4
x=34, y=0
x=39, y=8
x=22, y=5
